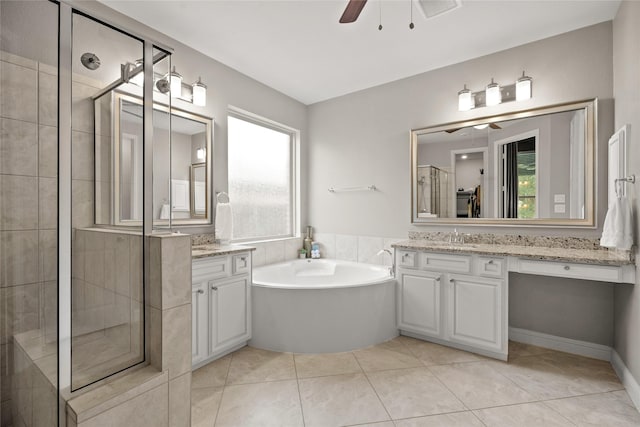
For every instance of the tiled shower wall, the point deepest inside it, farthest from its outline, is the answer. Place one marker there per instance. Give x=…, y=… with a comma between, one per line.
x=28, y=206
x=346, y=247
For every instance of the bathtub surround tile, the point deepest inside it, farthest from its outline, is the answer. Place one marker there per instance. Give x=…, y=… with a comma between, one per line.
x=525, y=415
x=480, y=385
x=18, y=147
x=388, y=355
x=18, y=92
x=18, y=257
x=47, y=99
x=19, y=208
x=327, y=243
x=604, y=409
x=368, y=248
x=291, y=248
x=48, y=250
x=252, y=365
x=204, y=406
x=319, y=365
x=388, y=241
x=346, y=247
x=180, y=401
x=213, y=374
x=278, y=405
x=82, y=156
x=48, y=203
x=274, y=252
x=48, y=151
x=340, y=400
x=259, y=256
x=456, y=419
x=82, y=201
x=413, y=393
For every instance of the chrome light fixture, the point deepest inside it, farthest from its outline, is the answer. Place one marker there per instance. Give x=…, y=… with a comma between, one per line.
x=175, y=83
x=199, y=91
x=494, y=97
x=523, y=88
x=495, y=94
x=465, y=100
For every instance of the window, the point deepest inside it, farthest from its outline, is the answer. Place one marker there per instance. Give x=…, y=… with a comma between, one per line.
x=262, y=184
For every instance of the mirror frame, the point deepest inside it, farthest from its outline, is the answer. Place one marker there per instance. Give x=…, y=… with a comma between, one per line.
x=192, y=184
x=590, y=107
x=118, y=97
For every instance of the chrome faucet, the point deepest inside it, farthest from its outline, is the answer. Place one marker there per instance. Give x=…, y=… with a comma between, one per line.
x=456, y=238
x=392, y=269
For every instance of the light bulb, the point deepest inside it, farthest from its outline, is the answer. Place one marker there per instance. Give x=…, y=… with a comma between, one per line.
x=493, y=94
x=199, y=93
x=523, y=88
x=465, y=99
x=175, y=83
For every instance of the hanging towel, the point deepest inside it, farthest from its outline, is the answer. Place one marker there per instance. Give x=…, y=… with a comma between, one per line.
x=224, y=222
x=617, y=230
x=165, y=211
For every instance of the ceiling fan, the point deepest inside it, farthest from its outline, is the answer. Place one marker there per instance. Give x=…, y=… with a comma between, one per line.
x=491, y=125
x=352, y=11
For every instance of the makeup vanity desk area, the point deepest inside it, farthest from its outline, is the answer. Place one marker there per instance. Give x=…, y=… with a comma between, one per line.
x=457, y=295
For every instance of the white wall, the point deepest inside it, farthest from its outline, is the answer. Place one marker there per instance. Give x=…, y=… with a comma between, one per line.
x=626, y=65
x=363, y=138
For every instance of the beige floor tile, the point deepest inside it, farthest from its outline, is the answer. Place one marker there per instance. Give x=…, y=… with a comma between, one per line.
x=479, y=385
x=204, y=406
x=389, y=355
x=340, y=400
x=556, y=375
x=436, y=354
x=252, y=365
x=525, y=415
x=518, y=349
x=458, y=419
x=318, y=365
x=604, y=409
x=413, y=393
x=381, y=424
x=213, y=374
x=266, y=404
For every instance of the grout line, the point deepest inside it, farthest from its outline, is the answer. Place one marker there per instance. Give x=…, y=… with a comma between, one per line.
x=374, y=389
x=295, y=368
x=224, y=387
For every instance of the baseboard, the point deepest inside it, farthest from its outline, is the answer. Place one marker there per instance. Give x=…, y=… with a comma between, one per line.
x=628, y=381
x=567, y=345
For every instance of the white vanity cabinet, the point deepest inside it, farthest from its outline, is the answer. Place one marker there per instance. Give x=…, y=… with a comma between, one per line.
x=456, y=300
x=221, y=305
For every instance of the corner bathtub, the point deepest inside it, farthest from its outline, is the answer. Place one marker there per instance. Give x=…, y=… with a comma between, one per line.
x=322, y=306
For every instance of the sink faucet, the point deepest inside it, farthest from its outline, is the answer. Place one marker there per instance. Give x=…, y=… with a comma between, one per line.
x=392, y=269
x=456, y=238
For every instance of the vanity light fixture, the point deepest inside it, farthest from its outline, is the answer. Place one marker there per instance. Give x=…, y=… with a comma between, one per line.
x=495, y=94
x=494, y=97
x=199, y=91
x=175, y=83
x=523, y=88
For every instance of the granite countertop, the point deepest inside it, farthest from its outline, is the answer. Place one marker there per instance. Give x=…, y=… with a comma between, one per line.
x=579, y=255
x=215, y=249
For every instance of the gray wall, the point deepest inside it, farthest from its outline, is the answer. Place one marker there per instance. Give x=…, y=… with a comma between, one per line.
x=626, y=65
x=363, y=138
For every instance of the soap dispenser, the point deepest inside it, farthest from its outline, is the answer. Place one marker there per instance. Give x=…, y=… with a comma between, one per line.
x=307, y=241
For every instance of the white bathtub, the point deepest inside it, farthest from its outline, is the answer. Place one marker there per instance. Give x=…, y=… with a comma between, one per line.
x=322, y=306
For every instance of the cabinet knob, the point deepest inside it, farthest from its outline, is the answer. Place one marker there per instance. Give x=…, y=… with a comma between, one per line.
x=451, y=280
x=200, y=291
x=214, y=288
x=437, y=279
x=566, y=267
x=490, y=261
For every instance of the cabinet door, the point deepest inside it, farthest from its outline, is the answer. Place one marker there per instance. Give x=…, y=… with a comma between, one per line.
x=419, y=302
x=476, y=314
x=199, y=320
x=229, y=313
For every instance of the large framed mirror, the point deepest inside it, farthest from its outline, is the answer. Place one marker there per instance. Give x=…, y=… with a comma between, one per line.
x=181, y=139
x=526, y=168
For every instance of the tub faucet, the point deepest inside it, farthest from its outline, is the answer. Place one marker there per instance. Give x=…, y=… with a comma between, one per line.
x=392, y=269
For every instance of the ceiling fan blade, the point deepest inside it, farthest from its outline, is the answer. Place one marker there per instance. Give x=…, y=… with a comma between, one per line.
x=452, y=130
x=352, y=11
x=494, y=126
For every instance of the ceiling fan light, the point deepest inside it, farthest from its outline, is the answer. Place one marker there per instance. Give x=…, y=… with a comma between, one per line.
x=523, y=88
x=493, y=95
x=465, y=99
x=482, y=126
x=175, y=82
x=199, y=93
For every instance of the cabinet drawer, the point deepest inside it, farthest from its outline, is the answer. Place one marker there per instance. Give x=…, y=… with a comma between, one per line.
x=490, y=266
x=407, y=259
x=570, y=270
x=445, y=262
x=241, y=263
x=210, y=268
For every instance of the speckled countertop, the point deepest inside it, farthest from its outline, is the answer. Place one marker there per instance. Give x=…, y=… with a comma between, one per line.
x=214, y=249
x=579, y=255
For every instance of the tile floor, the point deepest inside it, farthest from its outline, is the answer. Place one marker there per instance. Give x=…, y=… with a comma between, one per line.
x=407, y=382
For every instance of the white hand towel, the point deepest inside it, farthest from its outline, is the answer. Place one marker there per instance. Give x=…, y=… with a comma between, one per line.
x=224, y=222
x=165, y=211
x=617, y=229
